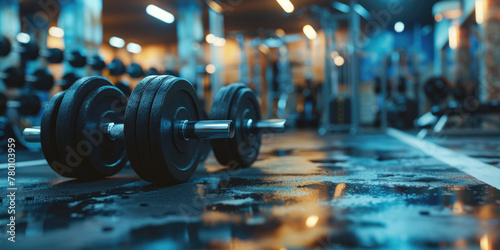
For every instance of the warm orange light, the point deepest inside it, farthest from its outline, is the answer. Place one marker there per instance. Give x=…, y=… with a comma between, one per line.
x=310, y=32
x=484, y=243
x=453, y=34
x=480, y=4
x=339, y=61
x=438, y=17
x=312, y=221
x=286, y=5
x=210, y=68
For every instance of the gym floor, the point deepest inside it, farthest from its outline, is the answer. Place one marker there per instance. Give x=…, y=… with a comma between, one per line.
x=376, y=190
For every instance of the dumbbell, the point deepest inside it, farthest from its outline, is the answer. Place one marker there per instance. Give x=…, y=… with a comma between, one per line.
x=68, y=80
x=239, y=104
x=96, y=63
x=134, y=70
x=89, y=131
x=116, y=67
x=76, y=59
x=151, y=71
x=41, y=79
x=26, y=104
x=31, y=51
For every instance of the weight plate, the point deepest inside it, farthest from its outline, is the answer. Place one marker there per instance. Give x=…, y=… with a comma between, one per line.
x=30, y=51
x=135, y=70
x=43, y=80
x=142, y=132
x=14, y=77
x=97, y=63
x=123, y=87
x=130, y=125
x=3, y=104
x=152, y=71
x=55, y=55
x=116, y=67
x=68, y=80
x=76, y=59
x=239, y=104
x=103, y=105
x=69, y=147
x=174, y=158
x=30, y=105
x=222, y=99
x=48, y=136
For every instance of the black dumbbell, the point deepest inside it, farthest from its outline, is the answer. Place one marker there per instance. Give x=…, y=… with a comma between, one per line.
x=116, y=67
x=68, y=80
x=134, y=70
x=12, y=77
x=239, y=104
x=152, y=71
x=96, y=63
x=76, y=59
x=86, y=130
x=41, y=79
x=27, y=104
x=124, y=88
x=30, y=51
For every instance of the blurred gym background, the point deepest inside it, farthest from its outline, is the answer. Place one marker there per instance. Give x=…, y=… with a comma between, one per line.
x=325, y=65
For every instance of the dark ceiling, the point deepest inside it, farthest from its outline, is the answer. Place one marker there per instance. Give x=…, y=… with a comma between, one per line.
x=129, y=20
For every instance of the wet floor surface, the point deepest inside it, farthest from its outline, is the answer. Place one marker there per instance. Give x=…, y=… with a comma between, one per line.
x=306, y=191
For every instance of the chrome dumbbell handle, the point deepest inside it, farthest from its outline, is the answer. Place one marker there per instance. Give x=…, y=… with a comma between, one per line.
x=189, y=129
x=271, y=125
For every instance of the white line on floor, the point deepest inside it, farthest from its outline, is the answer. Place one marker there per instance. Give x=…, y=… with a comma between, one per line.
x=25, y=164
x=473, y=167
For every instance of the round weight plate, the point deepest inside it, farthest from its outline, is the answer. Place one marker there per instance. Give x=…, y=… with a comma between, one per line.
x=242, y=106
x=30, y=51
x=135, y=70
x=76, y=59
x=30, y=105
x=54, y=55
x=175, y=159
x=97, y=63
x=131, y=114
x=142, y=132
x=152, y=71
x=3, y=103
x=220, y=111
x=116, y=67
x=68, y=80
x=123, y=87
x=48, y=136
x=14, y=77
x=43, y=80
x=205, y=147
x=103, y=105
x=69, y=147
x=5, y=46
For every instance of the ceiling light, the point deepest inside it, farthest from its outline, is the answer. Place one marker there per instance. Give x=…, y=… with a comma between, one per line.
x=160, y=13
x=56, y=32
x=286, y=5
x=116, y=42
x=310, y=32
x=134, y=48
x=23, y=38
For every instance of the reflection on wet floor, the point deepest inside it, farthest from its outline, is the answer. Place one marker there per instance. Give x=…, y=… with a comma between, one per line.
x=365, y=191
